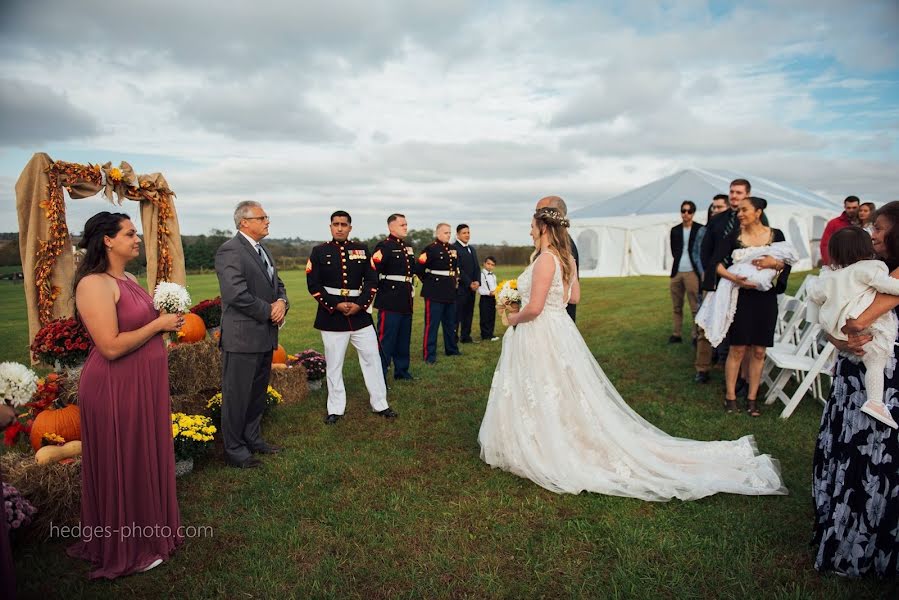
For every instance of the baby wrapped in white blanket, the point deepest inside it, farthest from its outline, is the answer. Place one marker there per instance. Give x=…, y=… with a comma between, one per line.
x=718, y=308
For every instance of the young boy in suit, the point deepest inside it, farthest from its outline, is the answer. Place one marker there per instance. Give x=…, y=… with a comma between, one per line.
x=487, y=305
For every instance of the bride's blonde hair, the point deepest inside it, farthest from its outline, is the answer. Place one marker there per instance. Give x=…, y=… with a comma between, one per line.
x=554, y=222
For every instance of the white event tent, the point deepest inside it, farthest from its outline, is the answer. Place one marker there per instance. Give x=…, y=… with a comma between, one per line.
x=628, y=234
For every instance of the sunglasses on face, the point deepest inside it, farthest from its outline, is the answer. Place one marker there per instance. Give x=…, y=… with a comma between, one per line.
x=686, y=211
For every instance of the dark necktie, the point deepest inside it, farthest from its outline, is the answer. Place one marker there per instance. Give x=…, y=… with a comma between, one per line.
x=268, y=268
x=731, y=221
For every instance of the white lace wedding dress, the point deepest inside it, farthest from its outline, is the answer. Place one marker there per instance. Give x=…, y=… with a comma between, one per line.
x=555, y=418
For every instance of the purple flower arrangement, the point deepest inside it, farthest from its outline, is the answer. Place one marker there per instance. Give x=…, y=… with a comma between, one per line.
x=18, y=510
x=312, y=361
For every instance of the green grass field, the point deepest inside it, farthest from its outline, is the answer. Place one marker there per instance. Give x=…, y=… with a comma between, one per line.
x=371, y=509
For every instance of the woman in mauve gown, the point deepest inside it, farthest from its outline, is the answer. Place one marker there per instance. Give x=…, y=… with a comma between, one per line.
x=129, y=509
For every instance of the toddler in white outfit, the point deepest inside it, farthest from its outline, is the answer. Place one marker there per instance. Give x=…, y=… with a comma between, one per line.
x=844, y=293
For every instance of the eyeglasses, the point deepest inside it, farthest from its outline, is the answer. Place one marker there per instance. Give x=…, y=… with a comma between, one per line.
x=686, y=211
x=266, y=218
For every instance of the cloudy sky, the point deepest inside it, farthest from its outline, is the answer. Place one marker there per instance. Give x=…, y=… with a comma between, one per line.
x=447, y=110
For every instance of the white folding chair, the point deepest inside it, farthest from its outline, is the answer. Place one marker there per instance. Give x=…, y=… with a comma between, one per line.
x=809, y=360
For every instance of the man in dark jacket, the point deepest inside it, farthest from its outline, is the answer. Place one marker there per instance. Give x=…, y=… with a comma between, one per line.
x=469, y=282
x=685, y=272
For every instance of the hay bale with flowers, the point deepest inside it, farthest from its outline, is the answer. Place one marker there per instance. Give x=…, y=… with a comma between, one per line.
x=291, y=383
x=54, y=489
x=195, y=367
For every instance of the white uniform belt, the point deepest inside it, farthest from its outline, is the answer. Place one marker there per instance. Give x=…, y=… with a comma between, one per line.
x=402, y=278
x=343, y=292
x=441, y=273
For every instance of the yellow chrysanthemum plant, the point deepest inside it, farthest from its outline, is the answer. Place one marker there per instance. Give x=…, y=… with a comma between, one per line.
x=192, y=434
x=272, y=398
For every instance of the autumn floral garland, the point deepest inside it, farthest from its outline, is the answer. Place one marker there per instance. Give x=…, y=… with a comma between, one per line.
x=62, y=174
x=49, y=250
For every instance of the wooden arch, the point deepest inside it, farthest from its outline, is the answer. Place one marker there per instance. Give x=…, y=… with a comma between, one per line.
x=45, y=246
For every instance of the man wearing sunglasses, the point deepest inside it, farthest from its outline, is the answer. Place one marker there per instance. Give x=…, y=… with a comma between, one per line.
x=685, y=273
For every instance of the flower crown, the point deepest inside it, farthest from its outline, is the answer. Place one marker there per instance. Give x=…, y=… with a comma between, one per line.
x=552, y=216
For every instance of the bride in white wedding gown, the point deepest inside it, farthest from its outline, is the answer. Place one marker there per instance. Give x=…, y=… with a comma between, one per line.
x=555, y=418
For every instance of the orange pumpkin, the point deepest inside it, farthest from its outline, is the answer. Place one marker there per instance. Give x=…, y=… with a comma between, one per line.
x=64, y=422
x=279, y=356
x=193, y=330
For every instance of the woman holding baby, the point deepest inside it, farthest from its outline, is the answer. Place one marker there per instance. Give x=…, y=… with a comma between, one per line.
x=855, y=485
x=755, y=318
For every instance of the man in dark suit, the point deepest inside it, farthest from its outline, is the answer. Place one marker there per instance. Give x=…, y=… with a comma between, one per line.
x=559, y=204
x=439, y=277
x=685, y=272
x=254, y=305
x=469, y=282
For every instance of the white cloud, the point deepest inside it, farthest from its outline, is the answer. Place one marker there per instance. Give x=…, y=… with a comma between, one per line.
x=451, y=110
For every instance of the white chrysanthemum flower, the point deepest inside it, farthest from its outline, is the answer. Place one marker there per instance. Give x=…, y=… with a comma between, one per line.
x=171, y=297
x=17, y=383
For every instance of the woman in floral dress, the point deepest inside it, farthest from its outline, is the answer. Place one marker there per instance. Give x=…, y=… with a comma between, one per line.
x=856, y=465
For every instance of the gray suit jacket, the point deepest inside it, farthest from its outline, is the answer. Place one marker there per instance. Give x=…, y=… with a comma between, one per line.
x=247, y=296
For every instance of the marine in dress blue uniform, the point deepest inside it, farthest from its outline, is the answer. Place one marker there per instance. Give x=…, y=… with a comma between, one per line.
x=340, y=278
x=394, y=262
x=437, y=268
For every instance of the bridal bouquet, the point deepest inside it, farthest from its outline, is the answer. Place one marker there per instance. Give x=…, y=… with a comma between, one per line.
x=508, y=292
x=507, y=296
x=171, y=297
x=17, y=383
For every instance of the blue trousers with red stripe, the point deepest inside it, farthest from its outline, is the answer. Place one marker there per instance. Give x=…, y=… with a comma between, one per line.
x=437, y=314
x=394, y=336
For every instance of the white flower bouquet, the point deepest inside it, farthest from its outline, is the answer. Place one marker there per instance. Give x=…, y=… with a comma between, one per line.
x=17, y=383
x=508, y=299
x=171, y=297
x=508, y=293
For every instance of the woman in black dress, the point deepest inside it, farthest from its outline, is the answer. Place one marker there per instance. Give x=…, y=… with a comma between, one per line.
x=855, y=487
x=756, y=315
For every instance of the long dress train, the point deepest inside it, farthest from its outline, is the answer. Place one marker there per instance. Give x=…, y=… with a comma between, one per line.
x=555, y=418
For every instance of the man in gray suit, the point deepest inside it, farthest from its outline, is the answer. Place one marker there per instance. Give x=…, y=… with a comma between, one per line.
x=254, y=304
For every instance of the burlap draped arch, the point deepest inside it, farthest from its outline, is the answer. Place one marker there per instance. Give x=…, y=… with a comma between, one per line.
x=44, y=242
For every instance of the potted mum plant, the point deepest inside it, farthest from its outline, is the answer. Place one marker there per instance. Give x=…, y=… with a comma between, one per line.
x=62, y=343
x=314, y=363
x=192, y=435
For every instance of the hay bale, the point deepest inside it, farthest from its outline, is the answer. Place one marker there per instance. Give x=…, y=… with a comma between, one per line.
x=291, y=383
x=193, y=403
x=195, y=367
x=68, y=386
x=54, y=489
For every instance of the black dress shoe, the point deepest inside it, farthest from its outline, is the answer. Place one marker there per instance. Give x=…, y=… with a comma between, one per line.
x=406, y=377
x=387, y=413
x=454, y=354
x=332, y=419
x=249, y=463
x=675, y=339
x=268, y=449
x=701, y=377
